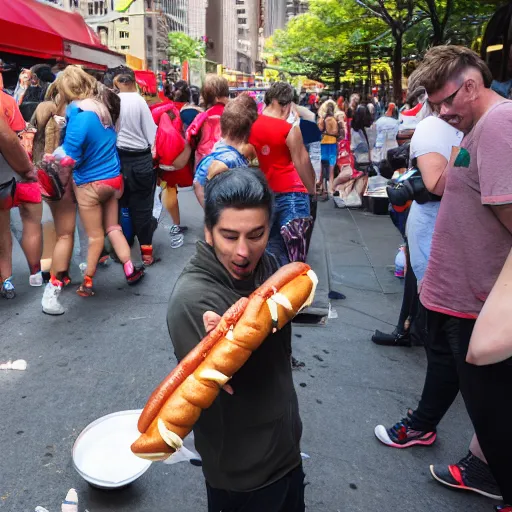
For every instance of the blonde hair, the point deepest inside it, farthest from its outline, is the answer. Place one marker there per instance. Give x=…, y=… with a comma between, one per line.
x=75, y=84
x=322, y=111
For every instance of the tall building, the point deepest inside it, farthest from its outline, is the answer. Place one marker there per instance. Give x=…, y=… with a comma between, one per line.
x=197, y=18
x=248, y=32
x=274, y=14
x=221, y=32
x=138, y=27
x=295, y=7
x=277, y=13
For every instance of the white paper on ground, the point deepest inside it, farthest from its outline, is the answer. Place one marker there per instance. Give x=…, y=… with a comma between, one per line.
x=19, y=364
x=186, y=453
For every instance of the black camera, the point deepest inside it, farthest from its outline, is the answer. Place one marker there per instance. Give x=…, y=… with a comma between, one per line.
x=410, y=187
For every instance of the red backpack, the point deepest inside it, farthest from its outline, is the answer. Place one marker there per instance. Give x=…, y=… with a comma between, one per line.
x=170, y=141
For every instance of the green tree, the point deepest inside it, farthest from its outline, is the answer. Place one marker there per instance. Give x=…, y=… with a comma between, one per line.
x=183, y=47
x=322, y=42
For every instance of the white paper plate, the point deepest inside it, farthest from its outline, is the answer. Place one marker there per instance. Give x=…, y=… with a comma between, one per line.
x=102, y=455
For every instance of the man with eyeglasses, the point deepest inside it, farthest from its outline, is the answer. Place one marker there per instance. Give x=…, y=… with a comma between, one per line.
x=471, y=243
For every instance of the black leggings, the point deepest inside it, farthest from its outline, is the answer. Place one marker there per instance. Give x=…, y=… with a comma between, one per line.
x=139, y=192
x=285, y=495
x=487, y=393
x=410, y=300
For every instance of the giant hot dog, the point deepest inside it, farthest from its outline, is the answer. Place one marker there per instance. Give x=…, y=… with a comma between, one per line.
x=175, y=406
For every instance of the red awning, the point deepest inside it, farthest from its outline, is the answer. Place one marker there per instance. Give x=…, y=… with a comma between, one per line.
x=23, y=32
x=28, y=27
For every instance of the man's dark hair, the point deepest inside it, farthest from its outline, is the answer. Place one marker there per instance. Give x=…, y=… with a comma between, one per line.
x=181, y=92
x=124, y=75
x=195, y=92
x=239, y=188
x=282, y=92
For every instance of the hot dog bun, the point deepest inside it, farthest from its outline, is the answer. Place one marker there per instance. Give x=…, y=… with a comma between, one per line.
x=269, y=308
x=189, y=363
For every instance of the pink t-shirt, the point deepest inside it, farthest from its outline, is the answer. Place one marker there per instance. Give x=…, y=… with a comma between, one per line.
x=470, y=244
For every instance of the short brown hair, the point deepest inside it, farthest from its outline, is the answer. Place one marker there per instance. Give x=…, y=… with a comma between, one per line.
x=215, y=86
x=444, y=63
x=238, y=117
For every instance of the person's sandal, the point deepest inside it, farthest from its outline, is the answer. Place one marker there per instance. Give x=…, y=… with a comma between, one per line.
x=85, y=289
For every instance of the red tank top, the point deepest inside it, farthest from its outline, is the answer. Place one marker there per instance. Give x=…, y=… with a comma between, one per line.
x=268, y=136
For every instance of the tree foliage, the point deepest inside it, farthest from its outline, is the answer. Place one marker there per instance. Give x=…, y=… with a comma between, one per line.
x=183, y=47
x=348, y=40
x=321, y=42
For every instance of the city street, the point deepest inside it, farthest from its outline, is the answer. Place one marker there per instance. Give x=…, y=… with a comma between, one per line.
x=107, y=353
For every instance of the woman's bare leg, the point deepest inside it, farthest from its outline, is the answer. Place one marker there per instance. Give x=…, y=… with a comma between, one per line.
x=64, y=218
x=5, y=245
x=92, y=220
x=170, y=201
x=114, y=231
x=32, y=238
x=330, y=185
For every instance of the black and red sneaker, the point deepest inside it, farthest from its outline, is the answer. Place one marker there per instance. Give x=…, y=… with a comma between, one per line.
x=503, y=508
x=469, y=474
x=402, y=435
x=135, y=276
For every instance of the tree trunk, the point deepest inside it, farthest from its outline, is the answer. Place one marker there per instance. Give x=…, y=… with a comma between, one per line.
x=369, y=66
x=397, y=68
x=337, y=73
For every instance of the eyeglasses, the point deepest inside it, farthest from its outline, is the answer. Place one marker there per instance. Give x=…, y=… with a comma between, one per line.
x=448, y=101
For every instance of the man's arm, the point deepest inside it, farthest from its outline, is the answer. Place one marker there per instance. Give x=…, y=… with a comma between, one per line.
x=433, y=167
x=300, y=158
x=12, y=151
x=185, y=322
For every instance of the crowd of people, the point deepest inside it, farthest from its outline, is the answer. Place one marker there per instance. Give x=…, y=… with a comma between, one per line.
x=111, y=152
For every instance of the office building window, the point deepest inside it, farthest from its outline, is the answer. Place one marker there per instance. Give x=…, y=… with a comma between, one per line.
x=123, y=34
x=124, y=21
x=242, y=21
x=125, y=48
x=91, y=9
x=150, y=23
x=150, y=41
x=150, y=63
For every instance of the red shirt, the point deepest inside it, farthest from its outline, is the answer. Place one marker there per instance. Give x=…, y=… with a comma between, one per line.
x=11, y=112
x=268, y=136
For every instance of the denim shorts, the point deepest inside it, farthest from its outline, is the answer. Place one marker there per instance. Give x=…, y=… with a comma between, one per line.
x=330, y=153
x=289, y=206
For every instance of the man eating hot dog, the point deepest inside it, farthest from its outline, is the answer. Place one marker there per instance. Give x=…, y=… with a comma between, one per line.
x=249, y=439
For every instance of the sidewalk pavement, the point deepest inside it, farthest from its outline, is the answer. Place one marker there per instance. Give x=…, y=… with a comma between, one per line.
x=108, y=352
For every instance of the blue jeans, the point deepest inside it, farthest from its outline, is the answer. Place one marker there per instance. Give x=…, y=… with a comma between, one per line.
x=287, y=207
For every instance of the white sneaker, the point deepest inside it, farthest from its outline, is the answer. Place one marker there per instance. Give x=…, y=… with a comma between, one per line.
x=36, y=279
x=50, y=301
